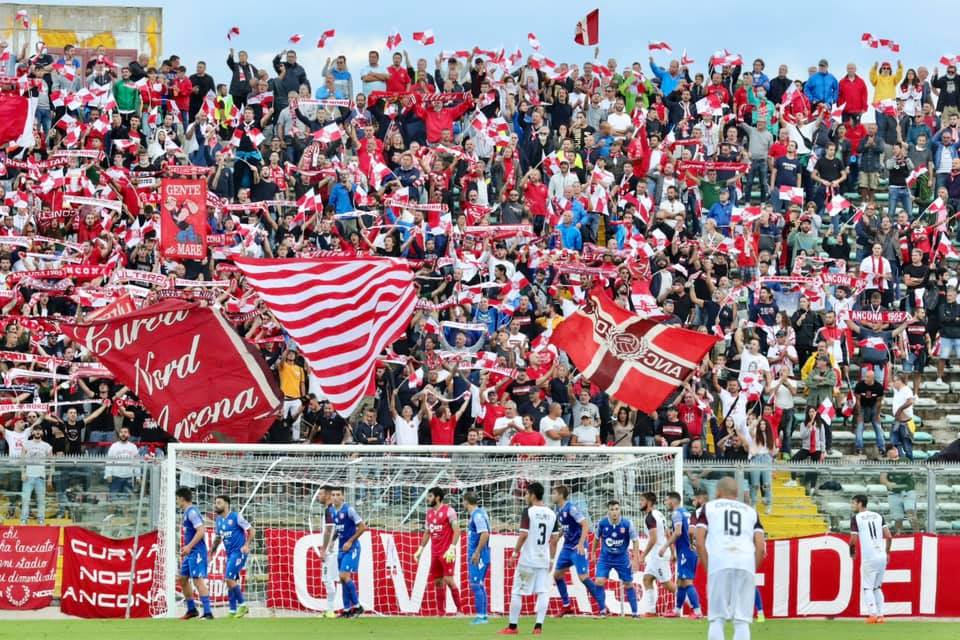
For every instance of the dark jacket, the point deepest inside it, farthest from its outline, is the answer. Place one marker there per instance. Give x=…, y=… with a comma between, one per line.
x=241, y=88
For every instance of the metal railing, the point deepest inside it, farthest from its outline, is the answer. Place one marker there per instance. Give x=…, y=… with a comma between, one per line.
x=77, y=490
x=920, y=496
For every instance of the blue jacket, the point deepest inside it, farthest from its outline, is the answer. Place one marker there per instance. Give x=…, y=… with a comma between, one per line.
x=570, y=237
x=341, y=198
x=936, y=146
x=720, y=213
x=668, y=83
x=821, y=87
x=761, y=80
x=580, y=214
x=324, y=94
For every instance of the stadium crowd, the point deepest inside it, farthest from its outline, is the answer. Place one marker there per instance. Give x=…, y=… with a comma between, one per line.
x=712, y=196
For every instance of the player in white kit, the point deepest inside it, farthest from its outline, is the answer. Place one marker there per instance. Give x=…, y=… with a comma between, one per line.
x=871, y=535
x=535, y=548
x=330, y=572
x=730, y=543
x=656, y=556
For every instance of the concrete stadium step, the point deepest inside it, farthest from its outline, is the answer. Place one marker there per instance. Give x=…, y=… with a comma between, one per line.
x=794, y=512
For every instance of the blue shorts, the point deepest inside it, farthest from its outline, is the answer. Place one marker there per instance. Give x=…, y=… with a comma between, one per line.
x=949, y=348
x=620, y=564
x=236, y=561
x=194, y=565
x=478, y=572
x=570, y=558
x=686, y=564
x=349, y=562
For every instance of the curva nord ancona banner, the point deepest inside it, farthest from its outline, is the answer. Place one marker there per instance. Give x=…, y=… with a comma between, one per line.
x=97, y=577
x=812, y=576
x=195, y=375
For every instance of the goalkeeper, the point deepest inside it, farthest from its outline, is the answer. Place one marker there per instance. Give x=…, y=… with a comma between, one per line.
x=443, y=533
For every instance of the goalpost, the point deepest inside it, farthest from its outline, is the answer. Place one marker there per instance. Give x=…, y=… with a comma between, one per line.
x=276, y=488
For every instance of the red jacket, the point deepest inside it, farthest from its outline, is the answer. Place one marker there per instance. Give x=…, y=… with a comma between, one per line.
x=853, y=93
x=437, y=121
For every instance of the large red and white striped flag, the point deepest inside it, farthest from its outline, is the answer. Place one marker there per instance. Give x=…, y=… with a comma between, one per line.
x=341, y=312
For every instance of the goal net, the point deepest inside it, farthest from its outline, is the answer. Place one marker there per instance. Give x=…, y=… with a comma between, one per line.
x=278, y=490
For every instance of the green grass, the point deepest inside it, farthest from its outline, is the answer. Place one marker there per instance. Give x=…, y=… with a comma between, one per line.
x=456, y=629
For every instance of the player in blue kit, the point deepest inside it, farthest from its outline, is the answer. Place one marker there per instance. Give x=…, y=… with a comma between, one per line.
x=615, y=535
x=349, y=526
x=478, y=553
x=576, y=530
x=235, y=533
x=686, y=554
x=193, y=566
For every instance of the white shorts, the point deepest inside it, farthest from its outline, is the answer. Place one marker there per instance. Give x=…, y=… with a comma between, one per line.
x=730, y=594
x=330, y=571
x=657, y=567
x=871, y=574
x=528, y=581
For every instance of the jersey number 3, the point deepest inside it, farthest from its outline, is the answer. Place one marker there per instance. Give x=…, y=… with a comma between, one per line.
x=542, y=537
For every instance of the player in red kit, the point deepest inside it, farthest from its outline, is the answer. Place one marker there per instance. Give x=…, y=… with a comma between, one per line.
x=443, y=532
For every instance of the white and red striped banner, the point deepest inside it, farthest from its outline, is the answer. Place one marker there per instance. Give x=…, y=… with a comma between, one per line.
x=341, y=312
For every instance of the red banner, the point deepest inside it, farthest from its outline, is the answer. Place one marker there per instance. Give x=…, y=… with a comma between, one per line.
x=183, y=215
x=194, y=374
x=97, y=577
x=812, y=576
x=28, y=566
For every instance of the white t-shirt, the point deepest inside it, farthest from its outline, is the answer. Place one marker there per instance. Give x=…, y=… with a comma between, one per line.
x=730, y=525
x=587, y=435
x=873, y=269
x=15, y=440
x=407, y=433
x=739, y=412
x=501, y=422
x=36, y=450
x=784, y=397
x=618, y=122
x=540, y=523
x=776, y=351
x=752, y=365
x=547, y=425
x=869, y=527
x=900, y=397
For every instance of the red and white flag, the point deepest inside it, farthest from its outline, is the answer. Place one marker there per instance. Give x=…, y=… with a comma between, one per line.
x=341, y=312
x=745, y=215
x=950, y=60
x=876, y=343
x=296, y=38
x=915, y=175
x=684, y=60
x=534, y=43
x=826, y=411
x=712, y=104
x=17, y=114
x=326, y=35
x=234, y=31
x=394, y=40
x=23, y=18
x=793, y=195
x=659, y=46
x=588, y=30
x=634, y=359
x=424, y=37
x=849, y=404
x=836, y=205
x=329, y=133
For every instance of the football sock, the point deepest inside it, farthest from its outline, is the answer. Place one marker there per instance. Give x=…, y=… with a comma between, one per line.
x=480, y=598
x=543, y=601
x=516, y=602
x=562, y=590
x=205, y=601
x=632, y=599
x=693, y=598
x=191, y=605
x=741, y=630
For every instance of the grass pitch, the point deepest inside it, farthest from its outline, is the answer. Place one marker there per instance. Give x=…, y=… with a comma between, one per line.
x=378, y=628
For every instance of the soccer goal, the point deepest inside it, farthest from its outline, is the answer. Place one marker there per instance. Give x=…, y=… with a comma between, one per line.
x=279, y=490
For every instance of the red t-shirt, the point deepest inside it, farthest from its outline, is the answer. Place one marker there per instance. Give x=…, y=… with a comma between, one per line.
x=535, y=197
x=397, y=79
x=692, y=416
x=441, y=431
x=528, y=439
x=490, y=415
x=440, y=528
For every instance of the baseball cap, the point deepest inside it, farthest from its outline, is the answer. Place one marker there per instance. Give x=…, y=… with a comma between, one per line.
x=823, y=63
